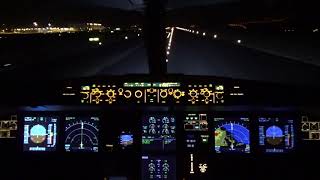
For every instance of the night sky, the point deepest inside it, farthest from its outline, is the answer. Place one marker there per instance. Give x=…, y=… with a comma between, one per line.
x=22, y=11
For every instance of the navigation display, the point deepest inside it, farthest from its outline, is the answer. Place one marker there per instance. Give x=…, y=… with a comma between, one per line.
x=232, y=135
x=158, y=133
x=159, y=167
x=276, y=135
x=81, y=134
x=40, y=133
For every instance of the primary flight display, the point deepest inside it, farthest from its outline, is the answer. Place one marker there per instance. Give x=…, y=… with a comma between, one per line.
x=40, y=133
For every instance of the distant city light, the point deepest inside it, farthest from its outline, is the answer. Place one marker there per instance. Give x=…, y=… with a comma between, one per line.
x=49, y=25
x=100, y=43
x=204, y=34
x=138, y=35
x=126, y=37
x=95, y=39
x=167, y=60
x=168, y=52
x=239, y=41
x=35, y=24
x=315, y=30
x=215, y=36
x=118, y=29
x=197, y=32
x=112, y=31
x=6, y=65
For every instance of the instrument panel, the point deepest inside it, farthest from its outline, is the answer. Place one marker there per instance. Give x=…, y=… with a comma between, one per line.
x=182, y=130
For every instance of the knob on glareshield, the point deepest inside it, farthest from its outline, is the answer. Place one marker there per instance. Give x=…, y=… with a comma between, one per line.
x=219, y=95
x=163, y=93
x=120, y=91
x=177, y=94
x=138, y=94
x=127, y=94
x=193, y=93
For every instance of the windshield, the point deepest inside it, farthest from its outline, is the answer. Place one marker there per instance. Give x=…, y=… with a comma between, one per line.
x=273, y=41
x=71, y=39
x=265, y=40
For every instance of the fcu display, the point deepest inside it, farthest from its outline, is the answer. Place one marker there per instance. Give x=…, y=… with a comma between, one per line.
x=40, y=133
x=160, y=167
x=232, y=135
x=276, y=135
x=158, y=133
x=81, y=134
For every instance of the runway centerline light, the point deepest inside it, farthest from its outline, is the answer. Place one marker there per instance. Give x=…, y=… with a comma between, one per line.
x=126, y=37
x=6, y=65
x=215, y=36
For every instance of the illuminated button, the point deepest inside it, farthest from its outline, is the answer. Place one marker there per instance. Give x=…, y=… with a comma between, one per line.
x=305, y=127
x=219, y=88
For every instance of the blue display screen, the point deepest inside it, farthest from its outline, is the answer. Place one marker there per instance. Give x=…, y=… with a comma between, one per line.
x=276, y=135
x=40, y=133
x=126, y=140
x=232, y=134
